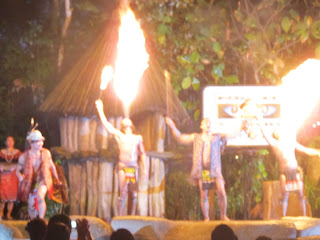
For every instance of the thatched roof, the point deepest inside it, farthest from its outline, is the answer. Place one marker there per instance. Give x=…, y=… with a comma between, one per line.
x=77, y=91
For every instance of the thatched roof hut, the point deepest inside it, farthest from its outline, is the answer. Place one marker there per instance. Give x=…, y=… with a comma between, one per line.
x=76, y=93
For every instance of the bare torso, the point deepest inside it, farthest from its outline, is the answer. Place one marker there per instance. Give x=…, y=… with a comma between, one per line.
x=206, y=149
x=36, y=162
x=285, y=153
x=130, y=147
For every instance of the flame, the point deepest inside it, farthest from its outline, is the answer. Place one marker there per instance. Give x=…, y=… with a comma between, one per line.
x=300, y=94
x=106, y=76
x=132, y=58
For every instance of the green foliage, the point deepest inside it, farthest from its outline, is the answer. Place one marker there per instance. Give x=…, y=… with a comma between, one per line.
x=182, y=198
x=29, y=48
x=312, y=191
x=226, y=43
x=244, y=176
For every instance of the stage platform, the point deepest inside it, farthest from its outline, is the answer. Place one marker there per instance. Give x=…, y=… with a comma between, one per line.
x=149, y=228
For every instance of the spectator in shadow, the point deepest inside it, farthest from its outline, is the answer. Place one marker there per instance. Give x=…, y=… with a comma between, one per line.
x=263, y=238
x=121, y=234
x=223, y=232
x=58, y=230
x=61, y=218
x=36, y=229
x=83, y=229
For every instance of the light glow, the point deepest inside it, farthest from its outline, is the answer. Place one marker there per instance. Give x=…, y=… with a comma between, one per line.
x=106, y=76
x=132, y=58
x=300, y=94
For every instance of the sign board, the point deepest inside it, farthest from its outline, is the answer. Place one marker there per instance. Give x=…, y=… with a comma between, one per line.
x=222, y=106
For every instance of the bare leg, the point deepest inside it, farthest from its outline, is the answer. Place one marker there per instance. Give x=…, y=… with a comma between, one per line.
x=300, y=194
x=41, y=193
x=204, y=202
x=9, y=208
x=285, y=194
x=33, y=213
x=222, y=199
x=133, y=203
x=2, y=205
x=123, y=191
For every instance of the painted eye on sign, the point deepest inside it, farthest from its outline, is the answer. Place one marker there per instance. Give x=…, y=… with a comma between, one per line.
x=233, y=111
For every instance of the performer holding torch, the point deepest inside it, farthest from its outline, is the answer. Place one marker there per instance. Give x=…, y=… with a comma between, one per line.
x=131, y=150
x=291, y=176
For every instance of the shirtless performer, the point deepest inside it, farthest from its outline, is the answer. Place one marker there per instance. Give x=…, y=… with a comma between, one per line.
x=291, y=178
x=130, y=148
x=8, y=179
x=206, y=166
x=37, y=167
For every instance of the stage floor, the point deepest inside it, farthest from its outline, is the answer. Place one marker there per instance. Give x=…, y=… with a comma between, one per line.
x=163, y=229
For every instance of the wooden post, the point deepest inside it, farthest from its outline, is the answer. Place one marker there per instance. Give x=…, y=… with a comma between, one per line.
x=84, y=134
x=63, y=132
x=83, y=189
x=70, y=131
x=272, y=208
x=75, y=134
x=92, y=136
x=92, y=184
x=105, y=185
x=142, y=205
x=75, y=187
x=101, y=137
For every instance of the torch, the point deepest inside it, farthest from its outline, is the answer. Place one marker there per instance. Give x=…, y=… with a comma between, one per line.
x=168, y=77
x=106, y=76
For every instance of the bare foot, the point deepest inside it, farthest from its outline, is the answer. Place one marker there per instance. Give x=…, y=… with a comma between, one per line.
x=206, y=220
x=224, y=218
x=9, y=217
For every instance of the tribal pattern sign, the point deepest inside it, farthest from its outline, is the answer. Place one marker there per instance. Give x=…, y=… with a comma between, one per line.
x=233, y=110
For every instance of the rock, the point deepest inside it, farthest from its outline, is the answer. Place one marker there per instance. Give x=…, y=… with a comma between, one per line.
x=190, y=230
x=99, y=229
x=146, y=233
x=306, y=226
x=8, y=232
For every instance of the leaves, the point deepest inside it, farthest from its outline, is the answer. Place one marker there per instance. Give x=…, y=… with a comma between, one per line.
x=195, y=56
x=315, y=29
x=217, y=71
x=195, y=84
x=317, y=52
x=286, y=24
x=186, y=82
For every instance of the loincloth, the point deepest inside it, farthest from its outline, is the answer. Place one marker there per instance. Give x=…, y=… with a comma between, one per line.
x=33, y=195
x=293, y=178
x=131, y=177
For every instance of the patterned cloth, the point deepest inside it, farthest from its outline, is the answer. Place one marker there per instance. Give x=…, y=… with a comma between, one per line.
x=32, y=178
x=293, y=178
x=9, y=157
x=215, y=157
x=131, y=177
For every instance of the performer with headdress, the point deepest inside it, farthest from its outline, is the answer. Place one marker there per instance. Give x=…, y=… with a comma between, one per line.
x=130, y=149
x=37, y=170
x=206, y=164
x=8, y=179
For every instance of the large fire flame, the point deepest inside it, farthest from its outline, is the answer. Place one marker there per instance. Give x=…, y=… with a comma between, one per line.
x=300, y=94
x=106, y=76
x=132, y=59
